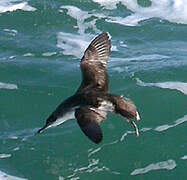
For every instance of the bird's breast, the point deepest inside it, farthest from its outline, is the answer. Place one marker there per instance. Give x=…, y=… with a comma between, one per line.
x=106, y=106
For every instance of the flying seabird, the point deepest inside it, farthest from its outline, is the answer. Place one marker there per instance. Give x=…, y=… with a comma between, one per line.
x=92, y=101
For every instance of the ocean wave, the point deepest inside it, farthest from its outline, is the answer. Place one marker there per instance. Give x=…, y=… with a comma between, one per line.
x=132, y=64
x=93, y=151
x=2, y=156
x=180, y=86
x=162, y=127
x=11, y=32
x=8, y=86
x=4, y=176
x=72, y=44
x=184, y=157
x=173, y=11
x=177, y=122
x=23, y=135
x=48, y=54
x=94, y=165
x=168, y=165
x=108, y=4
x=13, y=5
x=28, y=55
x=81, y=16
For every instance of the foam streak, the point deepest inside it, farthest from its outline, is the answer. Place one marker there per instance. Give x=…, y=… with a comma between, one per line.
x=4, y=176
x=168, y=165
x=180, y=86
x=11, y=5
x=8, y=86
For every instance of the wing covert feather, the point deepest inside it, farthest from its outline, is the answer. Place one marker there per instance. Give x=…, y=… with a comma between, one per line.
x=93, y=63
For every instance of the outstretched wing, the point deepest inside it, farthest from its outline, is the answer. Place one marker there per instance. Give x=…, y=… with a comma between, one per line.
x=93, y=63
x=89, y=121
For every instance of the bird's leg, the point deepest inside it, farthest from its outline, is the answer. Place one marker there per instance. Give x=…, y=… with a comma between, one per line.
x=134, y=126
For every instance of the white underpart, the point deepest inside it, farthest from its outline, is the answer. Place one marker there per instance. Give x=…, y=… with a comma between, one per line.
x=69, y=115
x=100, y=112
x=106, y=106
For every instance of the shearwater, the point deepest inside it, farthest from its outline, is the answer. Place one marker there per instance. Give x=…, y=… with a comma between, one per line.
x=92, y=101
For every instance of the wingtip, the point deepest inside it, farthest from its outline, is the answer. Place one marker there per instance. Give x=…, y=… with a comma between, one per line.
x=137, y=116
x=106, y=34
x=97, y=140
x=109, y=36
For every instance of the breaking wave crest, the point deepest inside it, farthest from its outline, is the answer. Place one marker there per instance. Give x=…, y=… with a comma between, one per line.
x=13, y=5
x=173, y=11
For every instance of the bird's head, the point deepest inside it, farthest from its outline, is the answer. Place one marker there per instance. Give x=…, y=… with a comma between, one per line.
x=127, y=109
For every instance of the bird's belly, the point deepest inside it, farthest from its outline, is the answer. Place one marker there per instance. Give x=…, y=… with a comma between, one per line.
x=67, y=116
x=106, y=106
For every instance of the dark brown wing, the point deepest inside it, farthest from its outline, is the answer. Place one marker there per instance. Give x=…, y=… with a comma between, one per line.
x=89, y=121
x=93, y=64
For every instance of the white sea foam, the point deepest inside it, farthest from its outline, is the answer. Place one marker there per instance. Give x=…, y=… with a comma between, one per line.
x=47, y=54
x=76, y=44
x=8, y=86
x=180, y=86
x=177, y=122
x=61, y=178
x=184, y=157
x=13, y=137
x=11, y=32
x=145, y=129
x=16, y=149
x=149, y=57
x=168, y=165
x=73, y=44
x=81, y=16
x=94, y=165
x=4, y=176
x=125, y=134
x=2, y=156
x=173, y=11
x=92, y=152
x=108, y=4
x=28, y=55
x=20, y=134
x=13, y=5
x=12, y=57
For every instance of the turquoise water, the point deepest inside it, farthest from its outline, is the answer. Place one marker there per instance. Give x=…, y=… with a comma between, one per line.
x=41, y=43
